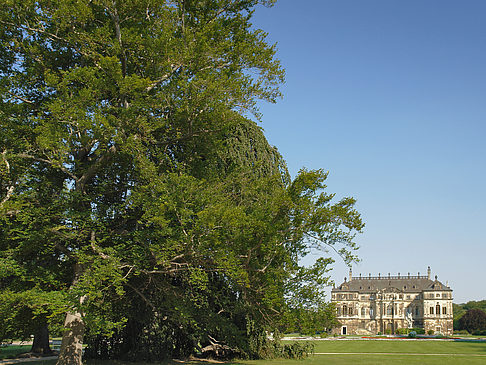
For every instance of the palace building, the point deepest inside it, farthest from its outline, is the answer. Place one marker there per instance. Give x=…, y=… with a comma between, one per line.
x=383, y=304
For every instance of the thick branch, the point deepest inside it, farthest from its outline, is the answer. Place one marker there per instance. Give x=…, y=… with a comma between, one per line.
x=81, y=182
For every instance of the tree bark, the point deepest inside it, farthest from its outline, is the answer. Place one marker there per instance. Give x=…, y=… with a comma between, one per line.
x=40, y=344
x=72, y=340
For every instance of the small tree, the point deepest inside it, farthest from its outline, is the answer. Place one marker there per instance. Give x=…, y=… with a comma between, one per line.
x=473, y=320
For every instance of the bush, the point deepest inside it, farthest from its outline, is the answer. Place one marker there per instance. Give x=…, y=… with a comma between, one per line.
x=412, y=334
x=430, y=332
x=403, y=331
x=479, y=333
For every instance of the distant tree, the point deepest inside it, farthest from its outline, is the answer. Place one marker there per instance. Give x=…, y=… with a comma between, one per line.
x=473, y=320
x=460, y=309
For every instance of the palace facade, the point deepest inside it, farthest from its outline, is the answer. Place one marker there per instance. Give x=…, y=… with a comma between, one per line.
x=382, y=304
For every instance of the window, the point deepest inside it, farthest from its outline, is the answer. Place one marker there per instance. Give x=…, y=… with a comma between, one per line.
x=408, y=297
x=437, y=309
x=417, y=311
x=350, y=311
x=438, y=295
x=345, y=310
x=372, y=312
x=338, y=311
x=363, y=311
x=389, y=310
x=444, y=310
x=431, y=310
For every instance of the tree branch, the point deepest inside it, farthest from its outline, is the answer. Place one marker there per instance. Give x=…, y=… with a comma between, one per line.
x=165, y=77
x=52, y=163
x=20, y=97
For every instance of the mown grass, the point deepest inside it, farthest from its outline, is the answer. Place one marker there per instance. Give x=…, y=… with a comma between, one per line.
x=362, y=353
x=13, y=350
x=401, y=346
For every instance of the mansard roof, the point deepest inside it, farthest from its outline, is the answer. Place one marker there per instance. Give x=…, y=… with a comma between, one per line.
x=410, y=284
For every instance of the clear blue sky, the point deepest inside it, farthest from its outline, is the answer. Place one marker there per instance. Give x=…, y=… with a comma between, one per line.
x=390, y=97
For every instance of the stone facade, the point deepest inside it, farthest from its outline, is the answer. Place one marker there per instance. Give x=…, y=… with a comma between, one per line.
x=383, y=304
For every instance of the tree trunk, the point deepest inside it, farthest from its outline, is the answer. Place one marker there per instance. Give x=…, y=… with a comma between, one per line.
x=41, y=341
x=72, y=341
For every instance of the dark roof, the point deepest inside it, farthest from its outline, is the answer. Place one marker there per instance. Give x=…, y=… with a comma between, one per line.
x=403, y=284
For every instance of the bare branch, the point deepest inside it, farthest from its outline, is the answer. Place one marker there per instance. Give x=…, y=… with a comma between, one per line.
x=92, y=242
x=10, y=191
x=80, y=183
x=165, y=77
x=145, y=299
x=20, y=97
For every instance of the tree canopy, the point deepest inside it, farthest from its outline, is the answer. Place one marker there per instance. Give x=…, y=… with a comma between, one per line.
x=136, y=195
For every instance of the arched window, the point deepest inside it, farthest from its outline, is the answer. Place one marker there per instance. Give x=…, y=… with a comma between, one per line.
x=437, y=309
x=431, y=310
x=389, y=310
x=345, y=310
x=444, y=310
x=350, y=311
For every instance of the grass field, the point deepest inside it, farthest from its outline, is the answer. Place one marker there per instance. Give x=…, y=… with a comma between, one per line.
x=11, y=351
x=358, y=352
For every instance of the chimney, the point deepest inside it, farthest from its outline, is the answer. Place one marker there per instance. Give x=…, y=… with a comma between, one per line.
x=428, y=272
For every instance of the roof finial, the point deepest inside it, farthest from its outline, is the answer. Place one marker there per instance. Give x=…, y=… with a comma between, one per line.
x=350, y=273
x=428, y=272
x=435, y=277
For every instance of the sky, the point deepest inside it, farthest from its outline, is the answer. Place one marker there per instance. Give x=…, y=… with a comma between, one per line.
x=389, y=96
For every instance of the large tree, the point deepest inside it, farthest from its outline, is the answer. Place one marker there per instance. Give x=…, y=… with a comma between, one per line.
x=473, y=320
x=132, y=177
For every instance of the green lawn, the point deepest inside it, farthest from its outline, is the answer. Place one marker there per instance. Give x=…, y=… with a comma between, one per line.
x=363, y=352
x=12, y=351
x=397, y=346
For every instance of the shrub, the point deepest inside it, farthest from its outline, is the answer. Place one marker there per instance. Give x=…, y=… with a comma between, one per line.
x=402, y=331
x=412, y=334
x=479, y=333
x=430, y=332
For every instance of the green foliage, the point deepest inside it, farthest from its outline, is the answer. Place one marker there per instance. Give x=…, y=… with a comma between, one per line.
x=474, y=320
x=460, y=309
